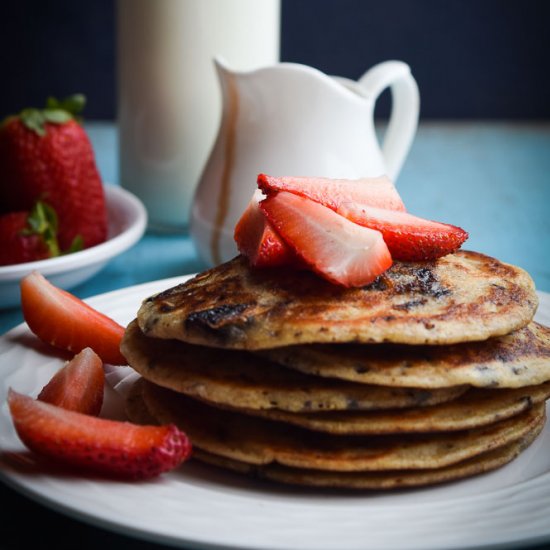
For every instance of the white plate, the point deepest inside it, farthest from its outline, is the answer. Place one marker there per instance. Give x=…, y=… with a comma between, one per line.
x=199, y=507
x=127, y=220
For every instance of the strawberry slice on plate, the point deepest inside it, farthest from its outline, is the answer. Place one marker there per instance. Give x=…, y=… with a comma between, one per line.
x=257, y=239
x=337, y=249
x=409, y=238
x=64, y=321
x=379, y=191
x=96, y=444
x=77, y=386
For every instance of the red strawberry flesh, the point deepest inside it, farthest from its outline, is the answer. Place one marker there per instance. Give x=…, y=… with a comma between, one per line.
x=379, y=191
x=95, y=444
x=257, y=239
x=335, y=248
x=78, y=386
x=409, y=238
x=64, y=321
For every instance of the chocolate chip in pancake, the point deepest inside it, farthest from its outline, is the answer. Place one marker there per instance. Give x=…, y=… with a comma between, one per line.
x=464, y=296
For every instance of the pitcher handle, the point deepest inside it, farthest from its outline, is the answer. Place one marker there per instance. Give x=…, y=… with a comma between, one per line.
x=404, y=113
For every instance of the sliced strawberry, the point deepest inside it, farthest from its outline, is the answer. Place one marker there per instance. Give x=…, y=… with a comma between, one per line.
x=96, y=444
x=258, y=241
x=408, y=237
x=335, y=248
x=78, y=386
x=379, y=192
x=66, y=322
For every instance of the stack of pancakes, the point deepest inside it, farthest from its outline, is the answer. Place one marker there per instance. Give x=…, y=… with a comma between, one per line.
x=433, y=372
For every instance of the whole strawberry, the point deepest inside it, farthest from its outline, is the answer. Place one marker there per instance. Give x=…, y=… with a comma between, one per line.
x=28, y=236
x=46, y=155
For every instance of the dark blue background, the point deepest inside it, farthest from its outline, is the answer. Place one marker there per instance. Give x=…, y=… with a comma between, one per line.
x=471, y=58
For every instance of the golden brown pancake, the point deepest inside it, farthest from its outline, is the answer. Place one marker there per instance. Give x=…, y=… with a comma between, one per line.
x=461, y=297
x=518, y=359
x=472, y=409
x=257, y=441
x=239, y=378
x=364, y=480
x=135, y=408
x=399, y=479
x=375, y=396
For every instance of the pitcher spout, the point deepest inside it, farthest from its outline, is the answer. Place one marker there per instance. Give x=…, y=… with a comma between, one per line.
x=221, y=66
x=222, y=69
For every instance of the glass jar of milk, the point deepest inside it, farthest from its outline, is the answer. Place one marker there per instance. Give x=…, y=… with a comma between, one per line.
x=169, y=101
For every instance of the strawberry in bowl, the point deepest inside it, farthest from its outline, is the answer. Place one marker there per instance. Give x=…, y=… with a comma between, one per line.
x=28, y=236
x=56, y=216
x=45, y=154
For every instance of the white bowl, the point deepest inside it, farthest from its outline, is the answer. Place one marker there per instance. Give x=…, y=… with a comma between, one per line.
x=127, y=220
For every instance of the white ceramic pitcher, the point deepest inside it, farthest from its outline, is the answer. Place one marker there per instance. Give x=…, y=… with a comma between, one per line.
x=293, y=120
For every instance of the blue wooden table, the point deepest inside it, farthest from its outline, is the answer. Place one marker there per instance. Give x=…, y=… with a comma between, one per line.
x=492, y=179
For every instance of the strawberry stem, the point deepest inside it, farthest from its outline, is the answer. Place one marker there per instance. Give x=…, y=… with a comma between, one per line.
x=56, y=112
x=77, y=244
x=42, y=221
x=73, y=104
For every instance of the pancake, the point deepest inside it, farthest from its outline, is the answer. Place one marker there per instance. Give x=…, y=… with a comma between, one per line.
x=519, y=359
x=134, y=405
x=258, y=441
x=464, y=296
x=379, y=480
x=239, y=378
x=474, y=408
x=399, y=479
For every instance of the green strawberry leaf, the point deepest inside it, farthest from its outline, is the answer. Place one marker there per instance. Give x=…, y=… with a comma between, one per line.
x=56, y=112
x=56, y=116
x=76, y=246
x=34, y=120
x=42, y=221
x=73, y=104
